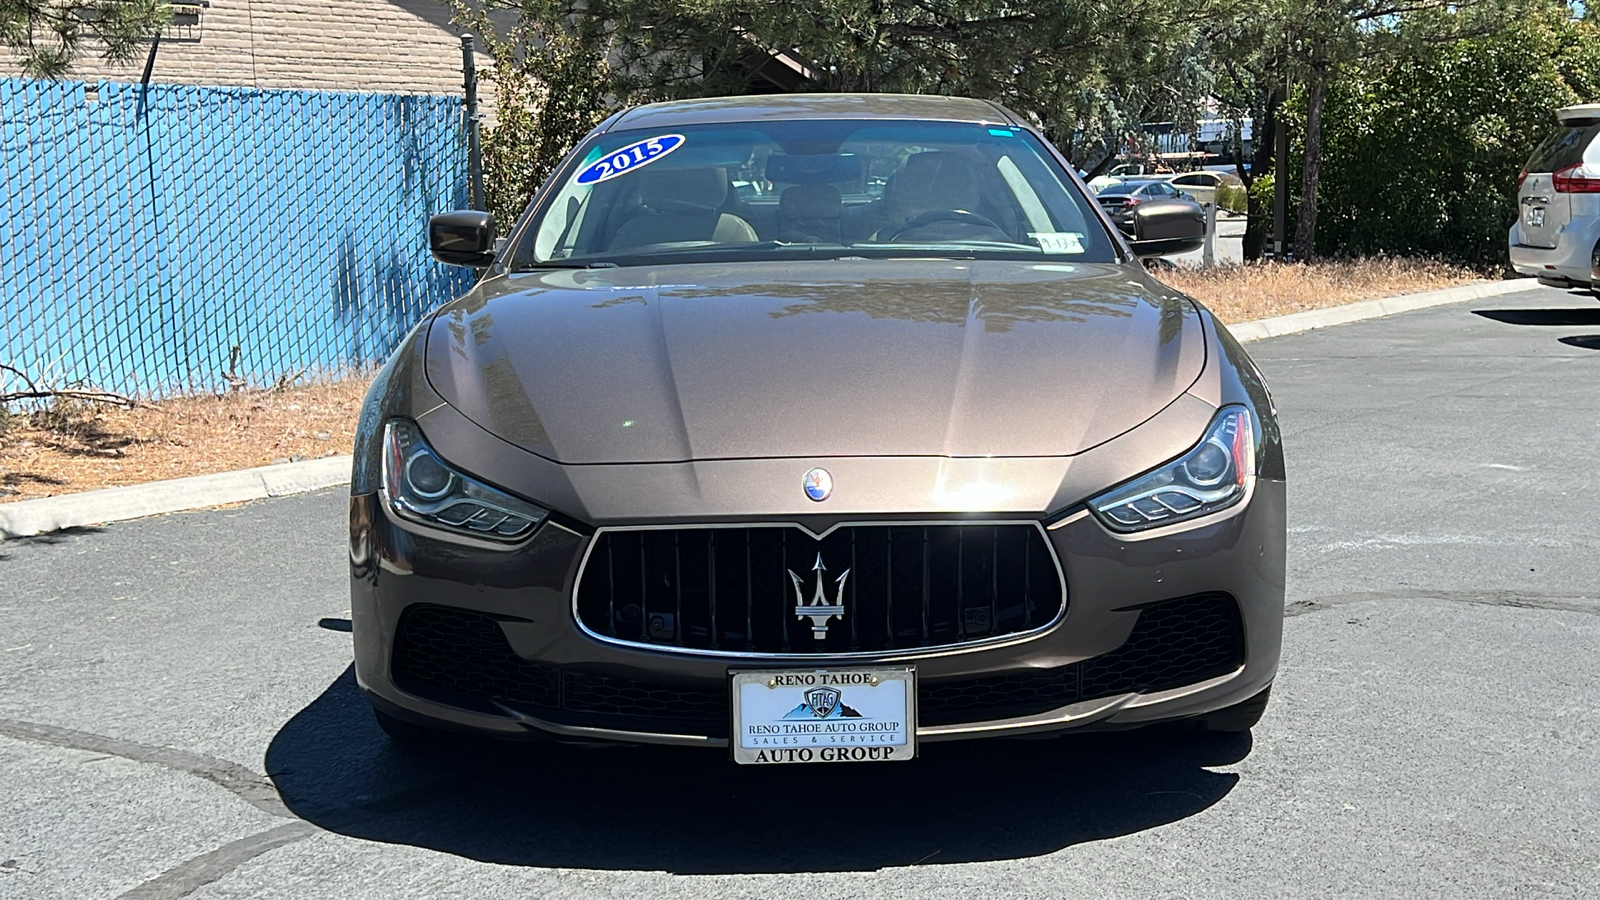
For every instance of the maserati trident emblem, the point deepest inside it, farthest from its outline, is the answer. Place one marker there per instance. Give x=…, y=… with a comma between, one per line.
x=819, y=484
x=818, y=609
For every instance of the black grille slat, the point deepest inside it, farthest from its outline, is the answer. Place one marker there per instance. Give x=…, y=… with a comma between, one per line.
x=994, y=579
x=888, y=600
x=611, y=584
x=908, y=586
x=749, y=598
x=679, y=625
x=711, y=588
x=1027, y=585
x=783, y=543
x=927, y=586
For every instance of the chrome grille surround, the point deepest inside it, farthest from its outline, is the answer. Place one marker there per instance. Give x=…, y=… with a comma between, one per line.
x=1057, y=585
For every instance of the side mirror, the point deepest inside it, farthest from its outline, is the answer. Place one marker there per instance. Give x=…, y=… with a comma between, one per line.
x=462, y=238
x=1168, y=227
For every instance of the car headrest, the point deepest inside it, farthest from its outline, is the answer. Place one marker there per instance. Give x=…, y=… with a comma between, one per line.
x=665, y=189
x=811, y=201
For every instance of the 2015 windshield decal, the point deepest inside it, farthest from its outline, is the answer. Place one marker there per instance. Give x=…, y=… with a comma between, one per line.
x=625, y=160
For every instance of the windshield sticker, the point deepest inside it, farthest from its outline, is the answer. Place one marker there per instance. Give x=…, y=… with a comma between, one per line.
x=1059, y=241
x=634, y=156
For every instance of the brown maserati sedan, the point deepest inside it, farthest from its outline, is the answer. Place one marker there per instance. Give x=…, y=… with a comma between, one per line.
x=811, y=429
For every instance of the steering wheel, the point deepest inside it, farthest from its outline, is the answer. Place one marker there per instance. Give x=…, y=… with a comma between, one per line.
x=945, y=215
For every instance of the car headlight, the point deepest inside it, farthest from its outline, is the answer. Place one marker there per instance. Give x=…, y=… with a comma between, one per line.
x=1211, y=477
x=424, y=488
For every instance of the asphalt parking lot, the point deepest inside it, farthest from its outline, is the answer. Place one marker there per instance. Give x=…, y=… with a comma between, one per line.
x=178, y=717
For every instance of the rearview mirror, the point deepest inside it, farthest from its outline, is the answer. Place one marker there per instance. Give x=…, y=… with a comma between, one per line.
x=462, y=238
x=1167, y=227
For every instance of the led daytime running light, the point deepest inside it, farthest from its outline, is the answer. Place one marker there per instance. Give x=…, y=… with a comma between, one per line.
x=1174, y=493
x=455, y=502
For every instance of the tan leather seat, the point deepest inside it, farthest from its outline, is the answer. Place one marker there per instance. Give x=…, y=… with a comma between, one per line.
x=682, y=205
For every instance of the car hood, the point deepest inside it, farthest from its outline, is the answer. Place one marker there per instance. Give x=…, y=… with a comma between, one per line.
x=814, y=359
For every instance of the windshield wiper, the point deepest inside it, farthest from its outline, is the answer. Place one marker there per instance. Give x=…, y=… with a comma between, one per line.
x=569, y=264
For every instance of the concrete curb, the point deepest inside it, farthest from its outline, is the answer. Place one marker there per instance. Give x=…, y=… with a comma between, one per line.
x=1294, y=323
x=30, y=517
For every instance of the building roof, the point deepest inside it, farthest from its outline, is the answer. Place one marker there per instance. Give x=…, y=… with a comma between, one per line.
x=761, y=107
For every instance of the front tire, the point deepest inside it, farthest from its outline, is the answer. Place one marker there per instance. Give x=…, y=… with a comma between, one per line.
x=1240, y=716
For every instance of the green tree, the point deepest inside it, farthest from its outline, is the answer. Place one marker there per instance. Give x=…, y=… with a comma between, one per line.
x=1303, y=48
x=1086, y=71
x=1421, y=155
x=49, y=35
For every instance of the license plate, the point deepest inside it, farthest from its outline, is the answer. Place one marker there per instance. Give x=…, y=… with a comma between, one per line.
x=824, y=715
x=1535, y=217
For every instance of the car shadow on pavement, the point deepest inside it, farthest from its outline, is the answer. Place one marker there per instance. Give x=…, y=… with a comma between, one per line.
x=695, y=812
x=1557, y=317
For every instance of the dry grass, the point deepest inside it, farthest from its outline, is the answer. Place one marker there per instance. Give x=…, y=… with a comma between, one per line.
x=1259, y=290
x=74, y=446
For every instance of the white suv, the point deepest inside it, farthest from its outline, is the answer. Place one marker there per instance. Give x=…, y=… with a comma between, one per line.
x=1557, y=234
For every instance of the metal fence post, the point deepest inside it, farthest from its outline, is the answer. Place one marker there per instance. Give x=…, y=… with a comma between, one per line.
x=1209, y=258
x=1280, y=194
x=469, y=72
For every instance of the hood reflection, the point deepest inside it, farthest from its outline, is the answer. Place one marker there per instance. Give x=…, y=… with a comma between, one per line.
x=923, y=357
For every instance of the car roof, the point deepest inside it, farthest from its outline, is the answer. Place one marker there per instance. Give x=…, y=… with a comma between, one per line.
x=1582, y=114
x=766, y=107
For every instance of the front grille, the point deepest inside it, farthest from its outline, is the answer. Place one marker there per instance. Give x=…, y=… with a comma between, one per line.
x=462, y=658
x=1174, y=643
x=736, y=589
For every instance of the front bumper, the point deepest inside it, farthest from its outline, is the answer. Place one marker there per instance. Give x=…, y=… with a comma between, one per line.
x=1111, y=580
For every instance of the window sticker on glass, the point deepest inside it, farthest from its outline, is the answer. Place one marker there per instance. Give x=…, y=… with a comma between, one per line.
x=1059, y=241
x=625, y=160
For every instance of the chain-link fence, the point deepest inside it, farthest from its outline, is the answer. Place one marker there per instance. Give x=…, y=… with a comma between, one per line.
x=170, y=238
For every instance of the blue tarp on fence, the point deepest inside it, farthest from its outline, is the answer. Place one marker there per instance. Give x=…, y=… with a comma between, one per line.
x=145, y=233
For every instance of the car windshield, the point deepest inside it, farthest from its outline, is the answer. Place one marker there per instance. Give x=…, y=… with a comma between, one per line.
x=810, y=189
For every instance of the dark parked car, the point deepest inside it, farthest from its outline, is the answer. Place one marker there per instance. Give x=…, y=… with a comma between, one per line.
x=906, y=448
x=1120, y=201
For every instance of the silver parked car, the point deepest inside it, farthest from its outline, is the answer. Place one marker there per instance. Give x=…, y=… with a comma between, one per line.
x=1556, y=237
x=907, y=448
x=1203, y=185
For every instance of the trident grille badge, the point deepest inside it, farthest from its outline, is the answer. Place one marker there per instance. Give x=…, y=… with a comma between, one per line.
x=818, y=609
